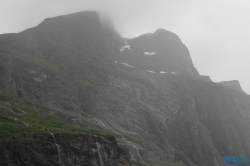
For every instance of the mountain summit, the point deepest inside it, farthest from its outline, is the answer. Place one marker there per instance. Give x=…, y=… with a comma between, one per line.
x=94, y=37
x=75, y=92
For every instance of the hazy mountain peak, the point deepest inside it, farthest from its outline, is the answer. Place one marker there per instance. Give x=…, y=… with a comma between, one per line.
x=93, y=35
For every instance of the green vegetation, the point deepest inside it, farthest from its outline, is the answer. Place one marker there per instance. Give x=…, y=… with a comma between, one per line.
x=20, y=116
x=20, y=119
x=41, y=62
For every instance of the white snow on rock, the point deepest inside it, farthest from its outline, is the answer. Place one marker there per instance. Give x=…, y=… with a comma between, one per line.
x=126, y=64
x=162, y=72
x=115, y=61
x=173, y=73
x=150, y=71
x=121, y=49
x=150, y=53
x=127, y=46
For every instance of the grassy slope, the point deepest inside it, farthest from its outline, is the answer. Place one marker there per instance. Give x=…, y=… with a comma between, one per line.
x=20, y=116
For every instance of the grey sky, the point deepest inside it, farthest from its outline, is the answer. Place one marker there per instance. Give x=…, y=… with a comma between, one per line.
x=217, y=32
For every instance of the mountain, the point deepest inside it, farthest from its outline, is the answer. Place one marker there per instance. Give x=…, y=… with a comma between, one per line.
x=72, y=84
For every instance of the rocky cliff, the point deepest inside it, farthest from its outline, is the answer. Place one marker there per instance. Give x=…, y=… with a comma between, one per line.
x=143, y=91
x=61, y=149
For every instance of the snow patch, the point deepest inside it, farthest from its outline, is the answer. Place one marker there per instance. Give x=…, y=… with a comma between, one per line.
x=162, y=72
x=103, y=124
x=150, y=71
x=121, y=49
x=115, y=61
x=126, y=64
x=150, y=53
x=127, y=46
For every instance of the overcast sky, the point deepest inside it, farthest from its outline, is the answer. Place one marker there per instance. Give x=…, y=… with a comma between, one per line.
x=217, y=32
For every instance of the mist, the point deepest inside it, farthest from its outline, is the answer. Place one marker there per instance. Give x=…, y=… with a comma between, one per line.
x=215, y=32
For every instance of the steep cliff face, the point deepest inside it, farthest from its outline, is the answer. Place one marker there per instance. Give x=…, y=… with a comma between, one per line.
x=61, y=149
x=144, y=91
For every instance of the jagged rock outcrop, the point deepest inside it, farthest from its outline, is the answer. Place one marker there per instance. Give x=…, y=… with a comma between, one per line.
x=73, y=63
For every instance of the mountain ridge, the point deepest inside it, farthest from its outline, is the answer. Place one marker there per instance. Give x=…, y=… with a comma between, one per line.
x=84, y=29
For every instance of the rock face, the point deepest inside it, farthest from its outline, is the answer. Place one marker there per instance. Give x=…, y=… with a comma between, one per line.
x=61, y=149
x=145, y=91
x=235, y=85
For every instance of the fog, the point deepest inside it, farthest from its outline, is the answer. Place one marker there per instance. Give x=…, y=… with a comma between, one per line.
x=215, y=31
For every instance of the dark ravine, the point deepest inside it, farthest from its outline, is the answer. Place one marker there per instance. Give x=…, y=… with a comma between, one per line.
x=90, y=77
